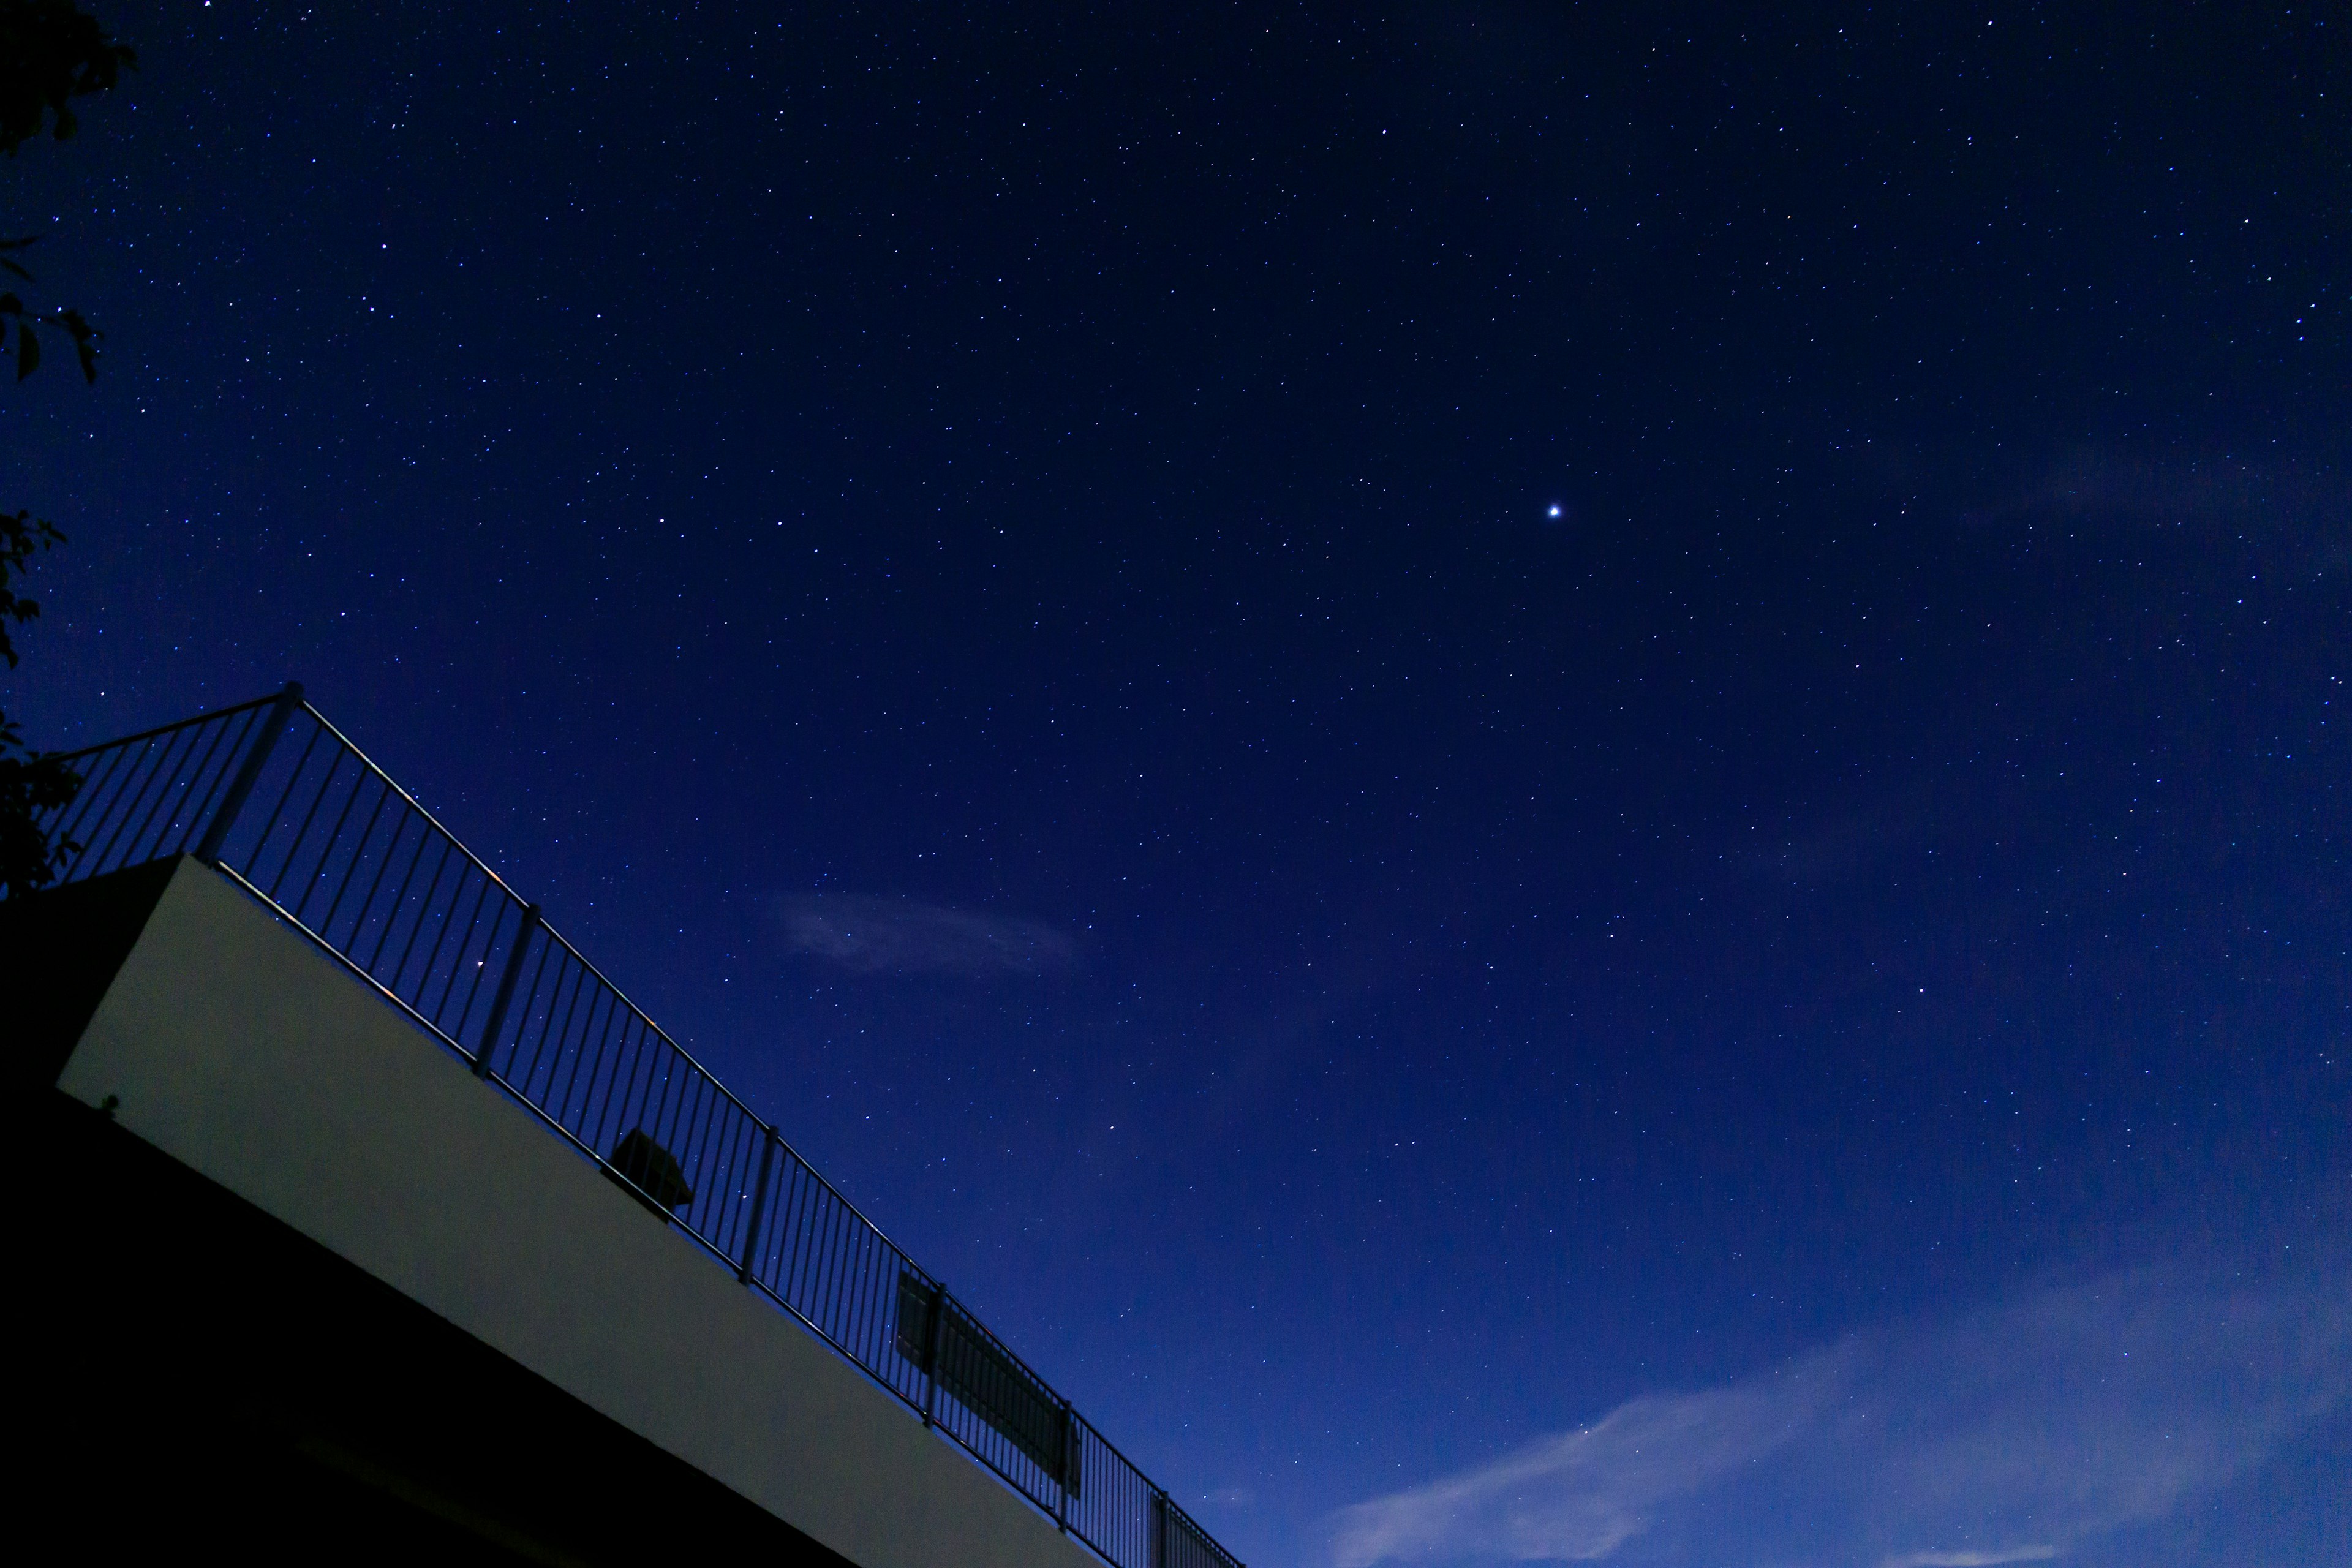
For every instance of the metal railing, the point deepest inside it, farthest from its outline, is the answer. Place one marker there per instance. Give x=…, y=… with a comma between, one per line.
x=279, y=799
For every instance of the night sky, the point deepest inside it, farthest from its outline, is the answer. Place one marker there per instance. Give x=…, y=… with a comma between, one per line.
x=1549, y=783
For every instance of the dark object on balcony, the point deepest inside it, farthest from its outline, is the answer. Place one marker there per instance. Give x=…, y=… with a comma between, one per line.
x=985, y=1379
x=650, y=1173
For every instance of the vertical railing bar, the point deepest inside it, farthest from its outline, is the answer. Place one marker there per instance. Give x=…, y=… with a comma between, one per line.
x=93, y=789
x=589, y=1043
x=400, y=894
x=863, y=1306
x=68, y=822
x=465, y=946
x=132, y=808
x=760, y=1133
x=562, y=1097
x=359, y=854
x=216, y=834
x=809, y=1209
x=776, y=1246
x=195, y=812
x=768, y=1264
x=551, y=970
x=124, y=808
x=563, y=1042
x=692, y=1115
x=707, y=1190
x=629, y=1038
x=728, y=1193
x=224, y=777
x=335, y=837
x=555, y=1039
x=441, y=937
x=603, y=1045
x=637, y=1100
x=613, y=1074
x=95, y=786
x=277, y=812
x=733, y=1144
x=937, y=1326
x=432, y=891
x=317, y=799
x=876, y=1264
x=167, y=777
x=841, y=1279
x=547, y=951
x=794, y=1249
x=842, y=1285
x=847, y=1280
x=808, y=1266
x=645, y=1098
x=745, y=1134
x=153, y=777
x=1063, y=1468
x=489, y=946
x=128, y=801
x=661, y=1113
x=216, y=793
x=601, y=1041
x=651, y=1097
x=851, y=1280
x=409, y=898
x=533, y=1015
x=559, y=1039
x=498, y=1004
x=613, y=1046
x=808, y=1219
x=368, y=901
x=820, y=1277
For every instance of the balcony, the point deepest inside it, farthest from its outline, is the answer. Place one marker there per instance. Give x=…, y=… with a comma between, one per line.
x=298, y=983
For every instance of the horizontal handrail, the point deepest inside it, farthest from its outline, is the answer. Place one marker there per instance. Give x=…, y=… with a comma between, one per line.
x=289, y=808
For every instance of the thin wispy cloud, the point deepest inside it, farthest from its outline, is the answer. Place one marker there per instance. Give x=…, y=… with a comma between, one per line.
x=2015, y=1434
x=902, y=936
x=2298, y=516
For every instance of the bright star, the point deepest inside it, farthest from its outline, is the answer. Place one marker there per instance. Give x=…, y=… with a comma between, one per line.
x=1555, y=509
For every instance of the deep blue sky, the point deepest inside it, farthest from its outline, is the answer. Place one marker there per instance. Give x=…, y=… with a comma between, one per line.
x=997, y=569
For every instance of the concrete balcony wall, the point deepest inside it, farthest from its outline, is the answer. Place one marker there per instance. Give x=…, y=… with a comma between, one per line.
x=232, y=1044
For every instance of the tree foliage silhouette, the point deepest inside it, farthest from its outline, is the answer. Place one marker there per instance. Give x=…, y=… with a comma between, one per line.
x=51, y=53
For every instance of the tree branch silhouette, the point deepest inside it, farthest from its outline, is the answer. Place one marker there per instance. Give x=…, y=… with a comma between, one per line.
x=51, y=53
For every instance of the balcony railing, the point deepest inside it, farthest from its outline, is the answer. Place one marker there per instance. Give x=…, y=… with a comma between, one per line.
x=283, y=802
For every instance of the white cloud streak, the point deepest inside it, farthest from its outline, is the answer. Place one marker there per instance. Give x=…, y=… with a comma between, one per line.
x=2009, y=1435
x=901, y=936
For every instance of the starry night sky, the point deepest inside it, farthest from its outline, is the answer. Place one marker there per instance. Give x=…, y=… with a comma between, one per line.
x=998, y=569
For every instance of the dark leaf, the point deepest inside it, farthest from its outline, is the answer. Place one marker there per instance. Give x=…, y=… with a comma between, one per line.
x=85, y=337
x=15, y=269
x=28, y=353
x=11, y=306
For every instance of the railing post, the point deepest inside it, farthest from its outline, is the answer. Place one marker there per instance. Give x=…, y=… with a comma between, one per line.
x=249, y=774
x=758, y=1208
x=931, y=1355
x=499, y=1003
x=1070, y=1465
x=1158, y=1529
